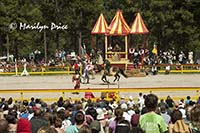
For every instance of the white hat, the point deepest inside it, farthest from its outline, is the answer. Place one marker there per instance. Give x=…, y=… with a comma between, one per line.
x=60, y=108
x=124, y=106
x=100, y=117
x=99, y=110
x=130, y=97
x=104, y=111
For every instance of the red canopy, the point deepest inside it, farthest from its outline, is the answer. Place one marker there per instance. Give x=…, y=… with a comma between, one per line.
x=118, y=26
x=138, y=26
x=100, y=26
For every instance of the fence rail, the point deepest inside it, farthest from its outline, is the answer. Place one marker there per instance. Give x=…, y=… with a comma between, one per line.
x=186, y=68
x=49, y=94
x=40, y=70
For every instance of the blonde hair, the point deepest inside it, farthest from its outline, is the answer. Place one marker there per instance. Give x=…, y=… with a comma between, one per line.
x=47, y=129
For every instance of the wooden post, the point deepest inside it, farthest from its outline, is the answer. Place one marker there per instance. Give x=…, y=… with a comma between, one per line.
x=181, y=69
x=68, y=70
x=16, y=69
x=197, y=94
x=63, y=95
x=22, y=96
x=45, y=47
x=126, y=47
x=42, y=70
x=106, y=46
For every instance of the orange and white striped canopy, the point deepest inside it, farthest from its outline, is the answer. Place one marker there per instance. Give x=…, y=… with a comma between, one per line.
x=100, y=26
x=118, y=26
x=138, y=26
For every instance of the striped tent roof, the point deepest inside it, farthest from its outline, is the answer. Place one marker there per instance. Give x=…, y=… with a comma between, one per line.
x=138, y=26
x=118, y=26
x=100, y=26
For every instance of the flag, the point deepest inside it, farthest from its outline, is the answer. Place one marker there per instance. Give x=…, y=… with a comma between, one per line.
x=155, y=51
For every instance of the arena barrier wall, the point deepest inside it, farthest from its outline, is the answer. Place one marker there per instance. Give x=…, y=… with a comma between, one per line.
x=52, y=95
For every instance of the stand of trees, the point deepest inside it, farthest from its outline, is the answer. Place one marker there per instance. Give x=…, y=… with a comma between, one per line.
x=171, y=23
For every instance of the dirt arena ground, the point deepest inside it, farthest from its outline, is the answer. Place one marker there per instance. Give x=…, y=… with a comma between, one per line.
x=65, y=82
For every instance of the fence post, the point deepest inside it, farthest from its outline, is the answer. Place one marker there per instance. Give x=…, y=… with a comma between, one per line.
x=16, y=68
x=22, y=96
x=117, y=96
x=63, y=94
x=68, y=70
x=81, y=70
x=42, y=70
x=181, y=69
x=197, y=94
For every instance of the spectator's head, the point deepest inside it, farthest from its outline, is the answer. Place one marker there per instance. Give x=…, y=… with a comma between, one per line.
x=3, y=126
x=151, y=102
x=5, y=107
x=79, y=107
x=10, y=100
x=124, y=106
x=37, y=113
x=37, y=100
x=176, y=115
x=58, y=122
x=118, y=113
x=188, y=112
x=25, y=102
x=95, y=126
x=79, y=118
x=137, y=110
x=48, y=117
x=182, y=100
x=157, y=111
x=11, y=119
x=168, y=97
x=195, y=116
x=47, y=129
x=162, y=100
x=83, y=100
x=13, y=113
x=61, y=99
x=92, y=111
x=188, y=97
x=32, y=98
x=3, y=99
x=85, y=129
x=162, y=109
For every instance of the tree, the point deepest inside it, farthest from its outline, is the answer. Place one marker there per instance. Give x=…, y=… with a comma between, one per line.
x=171, y=23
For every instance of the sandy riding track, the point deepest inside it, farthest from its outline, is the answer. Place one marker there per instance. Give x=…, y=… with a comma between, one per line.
x=65, y=82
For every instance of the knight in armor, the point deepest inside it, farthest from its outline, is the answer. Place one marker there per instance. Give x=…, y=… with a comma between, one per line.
x=76, y=80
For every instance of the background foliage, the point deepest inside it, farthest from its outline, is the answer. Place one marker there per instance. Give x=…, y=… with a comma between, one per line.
x=171, y=23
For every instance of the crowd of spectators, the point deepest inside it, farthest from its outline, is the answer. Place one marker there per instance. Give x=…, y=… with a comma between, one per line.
x=63, y=58
x=144, y=114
